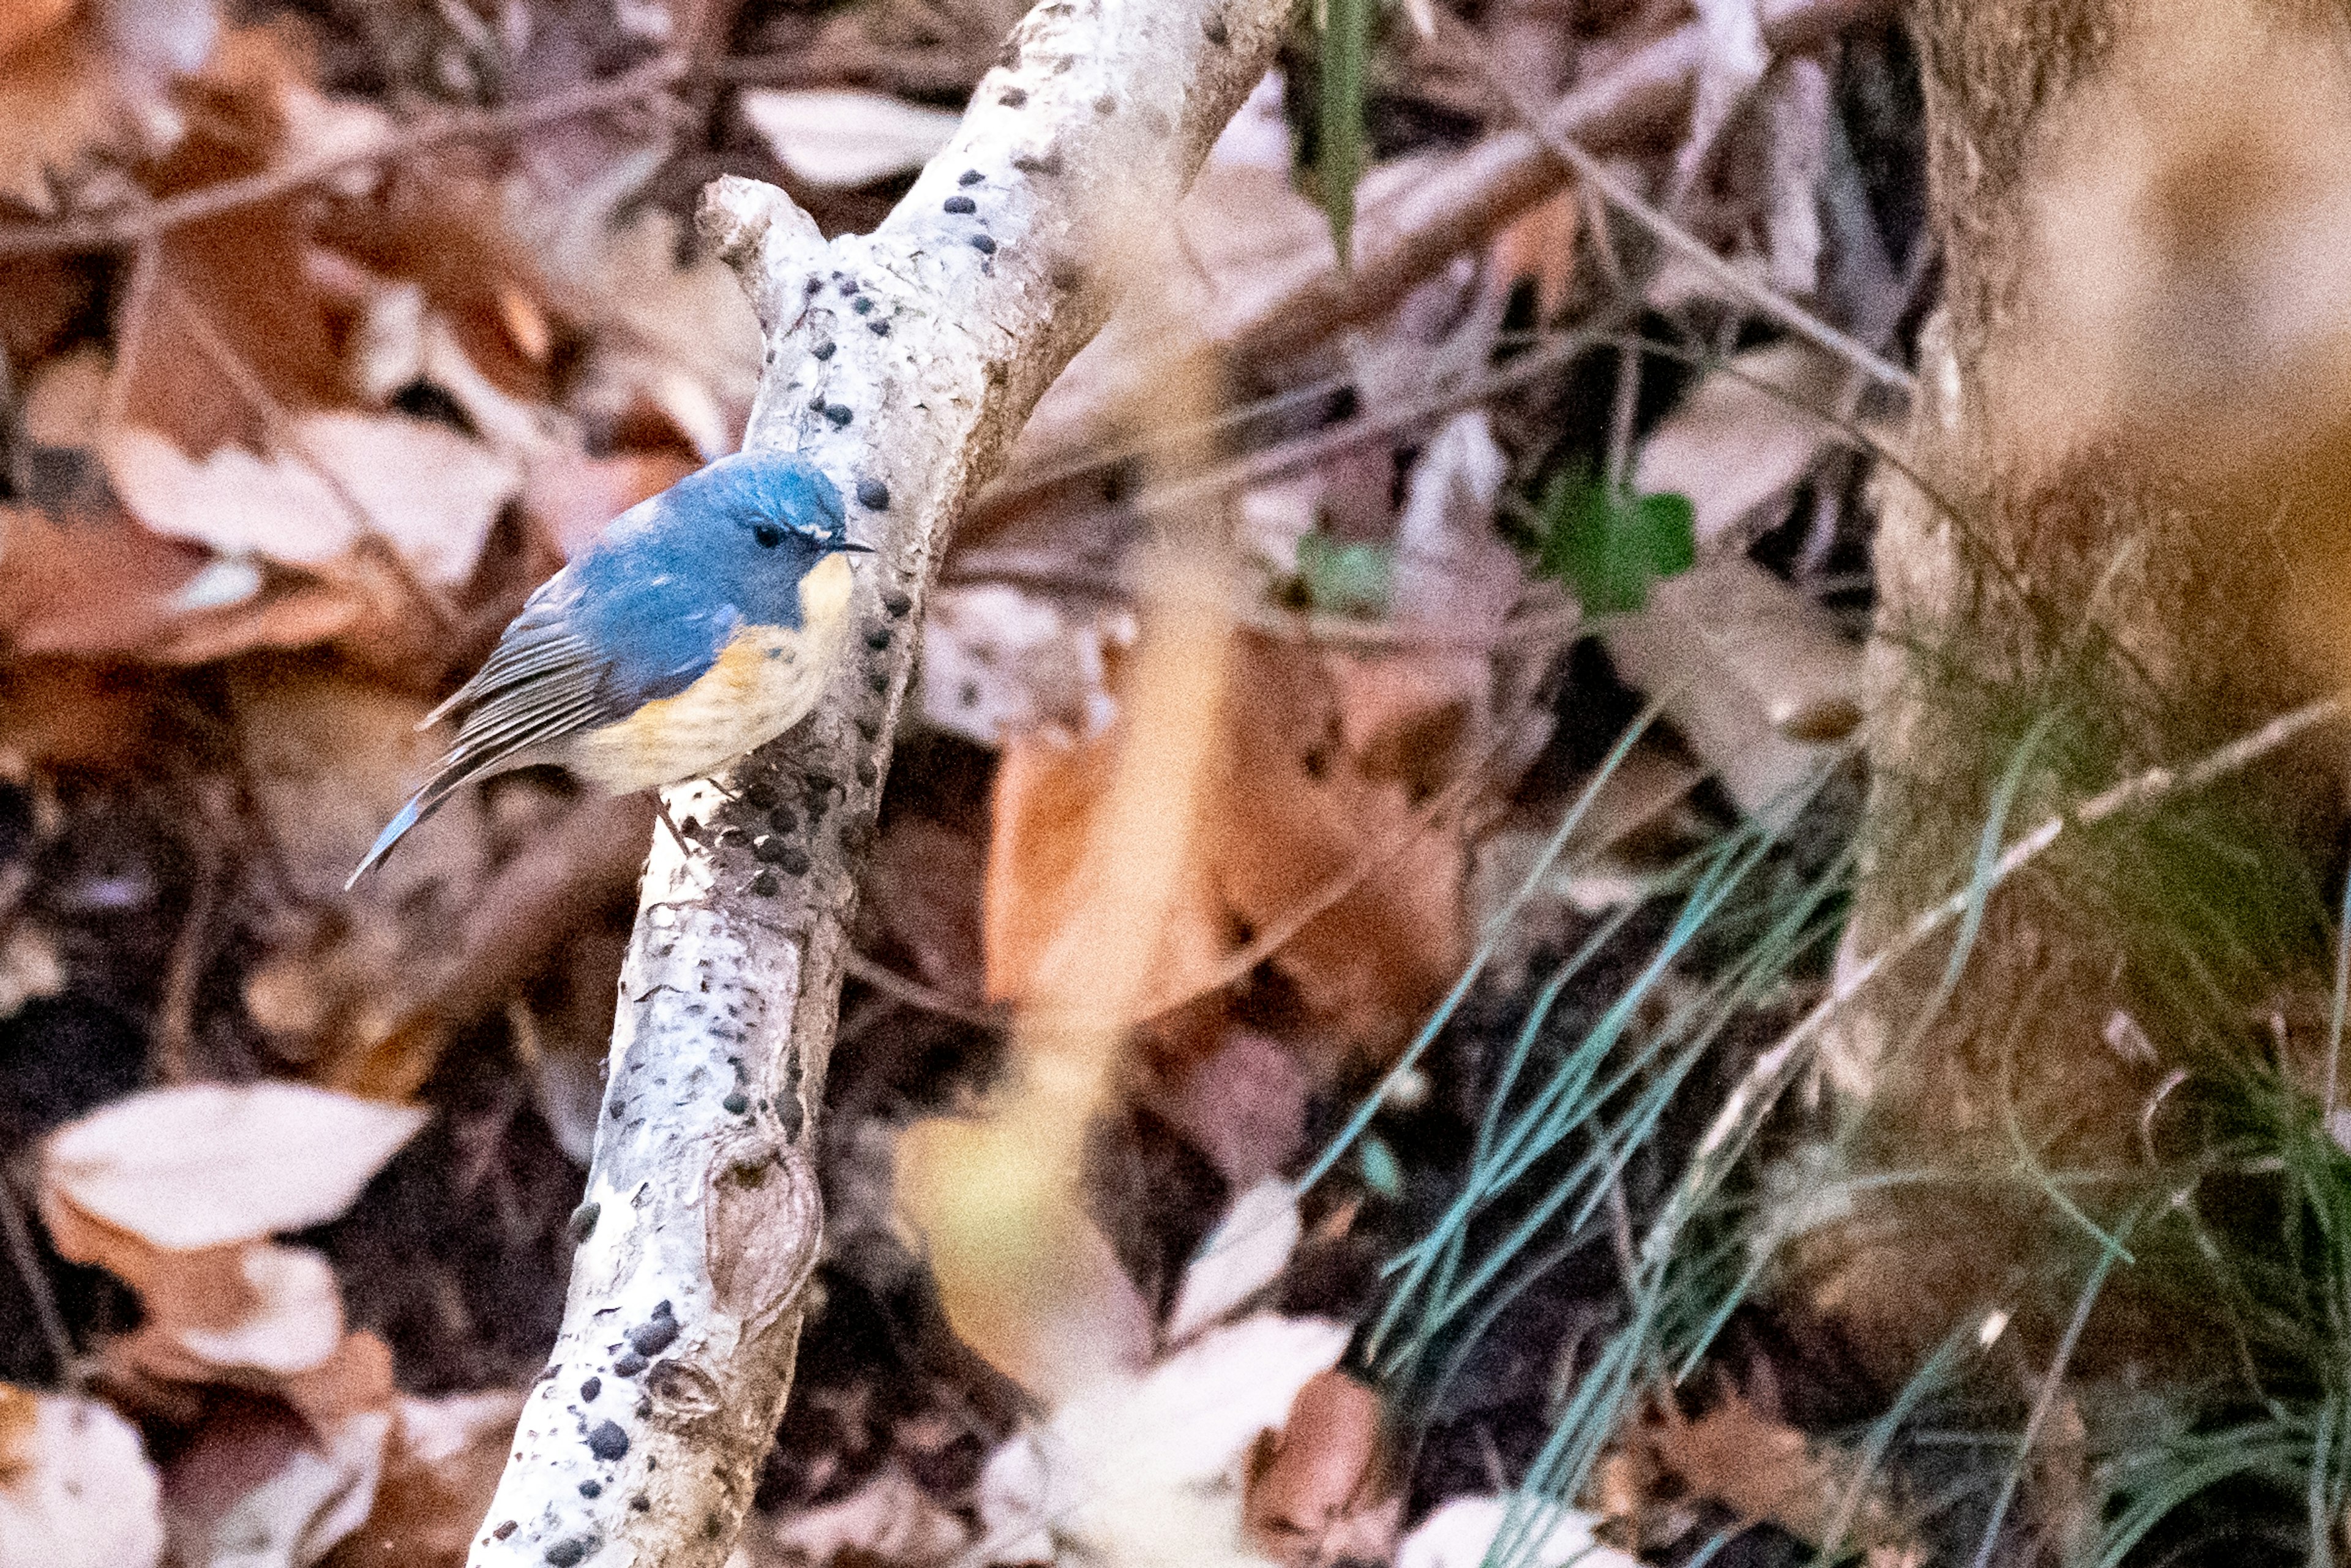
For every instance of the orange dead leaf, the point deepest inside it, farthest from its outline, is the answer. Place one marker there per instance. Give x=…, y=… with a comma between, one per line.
x=1766, y=1470
x=1318, y=1476
x=1324, y=758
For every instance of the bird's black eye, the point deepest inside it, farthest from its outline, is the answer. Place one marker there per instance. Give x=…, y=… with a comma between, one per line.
x=769, y=535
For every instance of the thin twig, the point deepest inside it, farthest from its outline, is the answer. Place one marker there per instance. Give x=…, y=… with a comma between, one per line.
x=1457, y=36
x=922, y=997
x=376, y=545
x=397, y=142
x=28, y=1258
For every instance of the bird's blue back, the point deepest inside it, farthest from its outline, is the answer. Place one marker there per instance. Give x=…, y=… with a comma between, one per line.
x=674, y=578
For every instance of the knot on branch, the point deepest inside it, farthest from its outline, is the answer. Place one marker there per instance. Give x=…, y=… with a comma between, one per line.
x=770, y=243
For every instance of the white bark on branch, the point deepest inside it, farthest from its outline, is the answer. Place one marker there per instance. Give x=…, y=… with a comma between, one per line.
x=901, y=363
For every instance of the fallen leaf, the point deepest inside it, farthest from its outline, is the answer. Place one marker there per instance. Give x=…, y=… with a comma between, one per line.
x=1148, y=1470
x=1463, y=1533
x=85, y=84
x=207, y=1165
x=1326, y=760
x=837, y=140
x=76, y=1486
x=999, y=662
x=1764, y=1469
x=440, y=1467
x=1757, y=678
x=890, y=1519
x=337, y=479
x=1318, y=1479
x=1243, y=1104
x=1743, y=437
x=259, y=1489
x=1245, y=1253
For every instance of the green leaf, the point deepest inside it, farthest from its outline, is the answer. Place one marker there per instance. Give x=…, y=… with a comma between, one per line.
x=1608, y=545
x=1343, y=578
x=1338, y=134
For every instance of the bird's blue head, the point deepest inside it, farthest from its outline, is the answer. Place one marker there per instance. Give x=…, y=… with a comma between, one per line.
x=745, y=530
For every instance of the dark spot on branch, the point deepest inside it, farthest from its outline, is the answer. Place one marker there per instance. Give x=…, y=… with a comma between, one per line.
x=878, y=638
x=589, y=1389
x=984, y=243
x=735, y=1104
x=895, y=603
x=872, y=495
x=607, y=1442
x=1013, y=97
x=1039, y=162
x=653, y=1335
x=862, y=304
x=504, y=1529
x=961, y=205
x=570, y=1552
x=970, y=177
x=839, y=412
x=627, y=1364
x=878, y=327
x=821, y=349
x=582, y=1224
x=591, y=1488
x=765, y=885
x=1214, y=27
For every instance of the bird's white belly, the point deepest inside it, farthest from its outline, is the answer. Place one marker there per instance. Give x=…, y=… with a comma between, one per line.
x=764, y=682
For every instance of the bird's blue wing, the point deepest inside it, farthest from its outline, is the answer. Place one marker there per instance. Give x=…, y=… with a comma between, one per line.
x=567, y=665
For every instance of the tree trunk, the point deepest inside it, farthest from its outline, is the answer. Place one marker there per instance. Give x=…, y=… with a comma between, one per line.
x=2118, y=557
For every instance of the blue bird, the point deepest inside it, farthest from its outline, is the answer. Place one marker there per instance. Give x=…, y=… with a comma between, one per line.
x=703, y=623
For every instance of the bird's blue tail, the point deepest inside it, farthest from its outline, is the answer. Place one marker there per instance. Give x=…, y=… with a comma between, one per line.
x=417, y=811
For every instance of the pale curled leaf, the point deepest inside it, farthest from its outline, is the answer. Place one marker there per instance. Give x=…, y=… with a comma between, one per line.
x=1462, y=1532
x=427, y=491
x=76, y=1486
x=838, y=140
x=206, y=1164
x=1246, y=1252
x=1147, y=1470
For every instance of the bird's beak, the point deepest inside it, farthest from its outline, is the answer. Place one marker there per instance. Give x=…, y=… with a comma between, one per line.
x=849, y=547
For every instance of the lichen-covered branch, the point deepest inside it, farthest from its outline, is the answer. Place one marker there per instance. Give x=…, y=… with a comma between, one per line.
x=901, y=363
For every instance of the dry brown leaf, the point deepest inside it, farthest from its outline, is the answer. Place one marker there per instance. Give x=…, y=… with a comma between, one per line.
x=1757, y=678
x=85, y=84
x=1243, y=1104
x=890, y=1519
x=682, y=340
x=439, y=1469
x=332, y=481
x=1766, y=1470
x=1744, y=436
x=1326, y=758
x=259, y=1487
x=1319, y=1479
x=76, y=1486
x=1540, y=247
